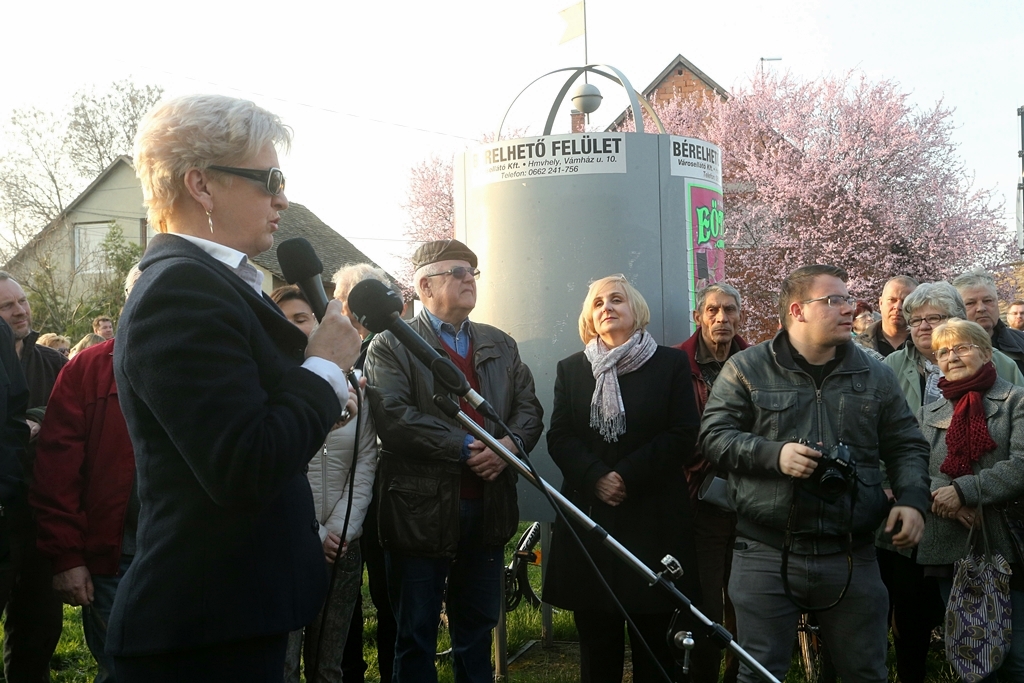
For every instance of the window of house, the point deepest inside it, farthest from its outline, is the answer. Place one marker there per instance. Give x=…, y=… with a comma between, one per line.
x=88, y=252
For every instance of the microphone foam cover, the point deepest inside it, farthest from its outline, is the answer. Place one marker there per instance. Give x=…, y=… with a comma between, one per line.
x=298, y=260
x=374, y=304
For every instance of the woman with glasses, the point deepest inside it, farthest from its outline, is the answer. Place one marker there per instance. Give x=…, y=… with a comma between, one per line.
x=914, y=598
x=56, y=342
x=226, y=402
x=623, y=426
x=976, y=434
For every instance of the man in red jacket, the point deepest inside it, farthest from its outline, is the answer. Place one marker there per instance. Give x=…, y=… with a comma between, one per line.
x=718, y=317
x=84, y=493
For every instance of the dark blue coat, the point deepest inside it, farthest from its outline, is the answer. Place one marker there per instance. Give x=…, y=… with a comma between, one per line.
x=223, y=421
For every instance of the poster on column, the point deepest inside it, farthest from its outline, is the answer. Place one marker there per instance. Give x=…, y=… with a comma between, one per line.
x=700, y=163
x=547, y=156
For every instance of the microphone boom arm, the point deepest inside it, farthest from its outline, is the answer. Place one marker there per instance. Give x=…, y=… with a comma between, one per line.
x=718, y=633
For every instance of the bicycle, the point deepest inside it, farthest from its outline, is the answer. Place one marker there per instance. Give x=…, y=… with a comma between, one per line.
x=515, y=577
x=814, y=657
x=517, y=580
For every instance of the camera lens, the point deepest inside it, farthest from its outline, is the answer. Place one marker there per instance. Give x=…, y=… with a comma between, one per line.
x=832, y=483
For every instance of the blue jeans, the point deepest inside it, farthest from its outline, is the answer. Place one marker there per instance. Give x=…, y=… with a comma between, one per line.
x=1012, y=669
x=96, y=616
x=417, y=588
x=855, y=631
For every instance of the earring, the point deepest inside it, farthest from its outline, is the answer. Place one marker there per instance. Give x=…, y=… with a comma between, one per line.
x=209, y=217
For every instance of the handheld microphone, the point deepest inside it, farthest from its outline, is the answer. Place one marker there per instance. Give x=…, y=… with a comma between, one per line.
x=301, y=266
x=378, y=308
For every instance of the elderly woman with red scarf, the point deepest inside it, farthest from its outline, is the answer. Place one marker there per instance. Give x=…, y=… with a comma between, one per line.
x=976, y=434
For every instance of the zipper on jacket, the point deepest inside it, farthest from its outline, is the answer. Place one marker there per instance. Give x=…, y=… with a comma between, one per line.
x=323, y=485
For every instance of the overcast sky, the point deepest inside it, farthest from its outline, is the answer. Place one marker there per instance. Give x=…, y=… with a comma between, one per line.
x=373, y=88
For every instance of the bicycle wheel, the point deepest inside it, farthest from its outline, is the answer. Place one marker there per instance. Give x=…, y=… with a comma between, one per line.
x=814, y=658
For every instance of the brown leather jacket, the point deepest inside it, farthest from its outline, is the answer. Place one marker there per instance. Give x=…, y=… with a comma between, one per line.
x=419, y=473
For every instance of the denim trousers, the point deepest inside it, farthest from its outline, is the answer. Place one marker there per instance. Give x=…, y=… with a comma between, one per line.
x=470, y=586
x=854, y=631
x=96, y=616
x=1012, y=670
x=327, y=650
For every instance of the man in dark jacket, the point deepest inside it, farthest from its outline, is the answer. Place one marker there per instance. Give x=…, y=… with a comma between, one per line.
x=84, y=493
x=718, y=315
x=447, y=502
x=33, y=609
x=890, y=334
x=802, y=546
x=978, y=290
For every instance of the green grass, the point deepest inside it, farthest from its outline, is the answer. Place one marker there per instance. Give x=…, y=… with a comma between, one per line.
x=72, y=662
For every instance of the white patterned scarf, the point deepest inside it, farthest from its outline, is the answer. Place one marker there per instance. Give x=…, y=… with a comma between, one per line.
x=607, y=413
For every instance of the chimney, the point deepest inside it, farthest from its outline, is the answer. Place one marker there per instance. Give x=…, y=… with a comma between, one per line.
x=577, y=120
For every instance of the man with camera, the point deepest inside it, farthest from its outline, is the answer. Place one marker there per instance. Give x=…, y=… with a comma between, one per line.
x=803, y=424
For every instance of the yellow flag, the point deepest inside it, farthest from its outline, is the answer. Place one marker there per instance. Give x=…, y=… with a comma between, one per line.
x=574, y=26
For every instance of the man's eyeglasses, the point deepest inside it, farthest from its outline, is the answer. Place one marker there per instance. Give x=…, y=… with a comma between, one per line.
x=272, y=179
x=834, y=300
x=960, y=350
x=459, y=273
x=932, y=320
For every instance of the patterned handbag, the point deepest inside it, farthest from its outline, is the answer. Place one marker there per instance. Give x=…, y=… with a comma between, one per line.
x=978, y=613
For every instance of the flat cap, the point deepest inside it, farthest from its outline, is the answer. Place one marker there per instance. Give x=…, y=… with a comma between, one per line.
x=442, y=250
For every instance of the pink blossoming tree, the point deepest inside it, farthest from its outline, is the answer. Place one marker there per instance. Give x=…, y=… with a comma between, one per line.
x=840, y=170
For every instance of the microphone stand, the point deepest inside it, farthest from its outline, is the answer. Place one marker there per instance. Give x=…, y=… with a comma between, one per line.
x=680, y=638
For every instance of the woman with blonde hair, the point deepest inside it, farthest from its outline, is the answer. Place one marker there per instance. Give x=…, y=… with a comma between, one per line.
x=623, y=426
x=57, y=342
x=226, y=402
x=85, y=342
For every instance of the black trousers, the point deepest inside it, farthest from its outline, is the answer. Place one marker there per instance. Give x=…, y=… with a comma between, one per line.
x=353, y=667
x=603, y=649
x=35, y=617
x=259, y=660
x=915, y=608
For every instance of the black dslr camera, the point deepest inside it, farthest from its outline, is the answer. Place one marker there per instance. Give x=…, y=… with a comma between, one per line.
x=833, y=476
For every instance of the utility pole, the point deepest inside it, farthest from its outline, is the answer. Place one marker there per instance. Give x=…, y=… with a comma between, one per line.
x=1020, y=185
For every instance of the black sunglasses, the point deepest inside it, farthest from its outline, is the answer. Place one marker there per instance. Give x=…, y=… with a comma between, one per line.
x=272, y=179
x=459, y=273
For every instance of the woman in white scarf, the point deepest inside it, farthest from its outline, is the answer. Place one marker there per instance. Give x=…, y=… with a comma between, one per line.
x=624, y=425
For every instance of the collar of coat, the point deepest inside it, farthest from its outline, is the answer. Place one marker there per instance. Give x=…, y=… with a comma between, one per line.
x=483, y=344
x=939, y=413
x=853, y=359
x=689, y=347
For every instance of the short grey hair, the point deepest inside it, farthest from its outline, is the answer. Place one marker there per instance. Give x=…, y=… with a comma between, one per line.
x=904, y=280
x=721, y=288
x=197, y=131
x=975, y=278
x=4, y=275
x=349, y=276
x=941, y=295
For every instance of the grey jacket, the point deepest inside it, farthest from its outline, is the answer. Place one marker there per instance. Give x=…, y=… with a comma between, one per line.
x=1000, y=475
x=419, y=473
x=763, y=400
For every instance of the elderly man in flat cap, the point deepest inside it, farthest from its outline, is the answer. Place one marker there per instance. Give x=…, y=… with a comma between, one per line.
x=447, y=502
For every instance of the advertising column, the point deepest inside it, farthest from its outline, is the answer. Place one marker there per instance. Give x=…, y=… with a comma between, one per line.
x=699, y=163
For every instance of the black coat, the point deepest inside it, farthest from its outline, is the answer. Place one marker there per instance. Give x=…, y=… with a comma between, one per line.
x=654, y=520
x=223, y=421
x=14, y=395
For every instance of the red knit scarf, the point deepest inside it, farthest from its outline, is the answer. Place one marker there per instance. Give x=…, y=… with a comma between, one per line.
x=967, y=437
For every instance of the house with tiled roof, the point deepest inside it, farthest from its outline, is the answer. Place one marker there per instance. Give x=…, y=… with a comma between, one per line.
x=680, y=78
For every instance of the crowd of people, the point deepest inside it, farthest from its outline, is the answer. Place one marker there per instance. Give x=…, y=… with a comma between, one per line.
x=210, y=484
